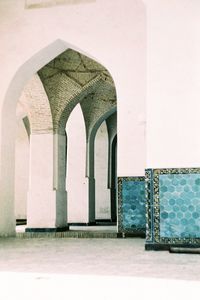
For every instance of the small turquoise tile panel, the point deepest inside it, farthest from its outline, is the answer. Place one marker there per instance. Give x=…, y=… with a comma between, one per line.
x=179, y=196
x=133, y=205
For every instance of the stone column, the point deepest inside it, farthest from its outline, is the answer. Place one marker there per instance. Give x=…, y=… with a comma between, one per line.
x=102, y=196
x=91, y=179
x=46, y=207
x=7, y=162
x=77, y=182
x=112, y=166
x=60, y=179
x=113, y=178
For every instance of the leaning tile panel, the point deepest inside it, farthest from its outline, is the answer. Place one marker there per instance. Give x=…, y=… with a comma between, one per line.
x=175, y=209
x=131, y=191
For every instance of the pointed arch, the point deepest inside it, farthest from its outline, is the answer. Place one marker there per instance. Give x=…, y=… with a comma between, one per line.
x=90, y=159
x=76, y=182
x=8, y=126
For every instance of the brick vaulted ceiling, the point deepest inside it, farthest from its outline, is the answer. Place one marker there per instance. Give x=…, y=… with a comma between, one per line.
x=73, y=78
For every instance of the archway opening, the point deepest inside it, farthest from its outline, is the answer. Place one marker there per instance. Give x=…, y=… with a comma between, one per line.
x=76, y=180
x=105, y=172
x=68, y=79
x=84, y=194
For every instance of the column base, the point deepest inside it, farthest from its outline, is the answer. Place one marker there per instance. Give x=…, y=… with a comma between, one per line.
x=138, y=234
x=82, y=224
x=172, y=248
x=59, y=229
x=105, y=222
x=155, y=247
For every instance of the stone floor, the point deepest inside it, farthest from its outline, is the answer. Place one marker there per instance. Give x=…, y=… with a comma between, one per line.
x=74, y=231
x=51, y=268
x=110, y=229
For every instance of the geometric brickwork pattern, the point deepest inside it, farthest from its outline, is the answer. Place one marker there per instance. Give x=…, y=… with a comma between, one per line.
x=36, y=106
x=69, y=79
x=73, y=78
x=173, y=207
x=131, y=191
x=97, y=104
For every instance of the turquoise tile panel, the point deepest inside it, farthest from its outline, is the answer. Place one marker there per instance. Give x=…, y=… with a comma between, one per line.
x=133, y=205
x=179, y=196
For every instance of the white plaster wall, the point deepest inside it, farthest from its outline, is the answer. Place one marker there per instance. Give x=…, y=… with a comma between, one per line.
x=21, y=170
x=116, y=39
x=47, y=199
x=76, y=182
x=173, y=98
x=102, y=193
x=41, y=205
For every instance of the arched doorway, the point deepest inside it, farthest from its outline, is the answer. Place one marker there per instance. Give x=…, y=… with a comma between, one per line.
x=70, y=78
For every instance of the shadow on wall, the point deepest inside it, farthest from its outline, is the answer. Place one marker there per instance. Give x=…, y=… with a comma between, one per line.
x=33, y=4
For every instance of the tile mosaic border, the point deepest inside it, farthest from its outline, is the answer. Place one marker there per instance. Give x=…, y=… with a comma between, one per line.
x=153, y=219
x=135, y=231
x=149, y=203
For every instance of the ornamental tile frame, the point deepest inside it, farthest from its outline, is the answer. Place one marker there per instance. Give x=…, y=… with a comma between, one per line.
x=131, y=206
x=172, y=208
x=149, y=204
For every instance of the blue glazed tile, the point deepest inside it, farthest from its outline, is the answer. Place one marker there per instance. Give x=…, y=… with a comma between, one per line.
x=172, y=201
x=188, y=215
x=133, y=204
x=184, y=208
x=186, y=188
x=179, y=215
x=179, y=196
x=172, y=215
x=176, y=208
x=183, y=182
x=164, y=215
x=191, y=221
x=197, y=181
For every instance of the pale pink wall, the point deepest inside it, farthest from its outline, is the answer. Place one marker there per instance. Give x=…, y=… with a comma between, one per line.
x=113, y=32
x=173, y=86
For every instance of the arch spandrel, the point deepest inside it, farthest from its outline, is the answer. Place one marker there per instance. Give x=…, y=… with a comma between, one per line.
x=96, y=104
x=111, y=123
x=36, y=103
x=61, y=91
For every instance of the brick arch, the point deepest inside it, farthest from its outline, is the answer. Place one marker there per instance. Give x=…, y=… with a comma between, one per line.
x=90, y=153
x=91, y=138
x=100, y=120
x=36, y=104
x=88, y=90
x=69, y=79
x=95, y=105
x=7, y=129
